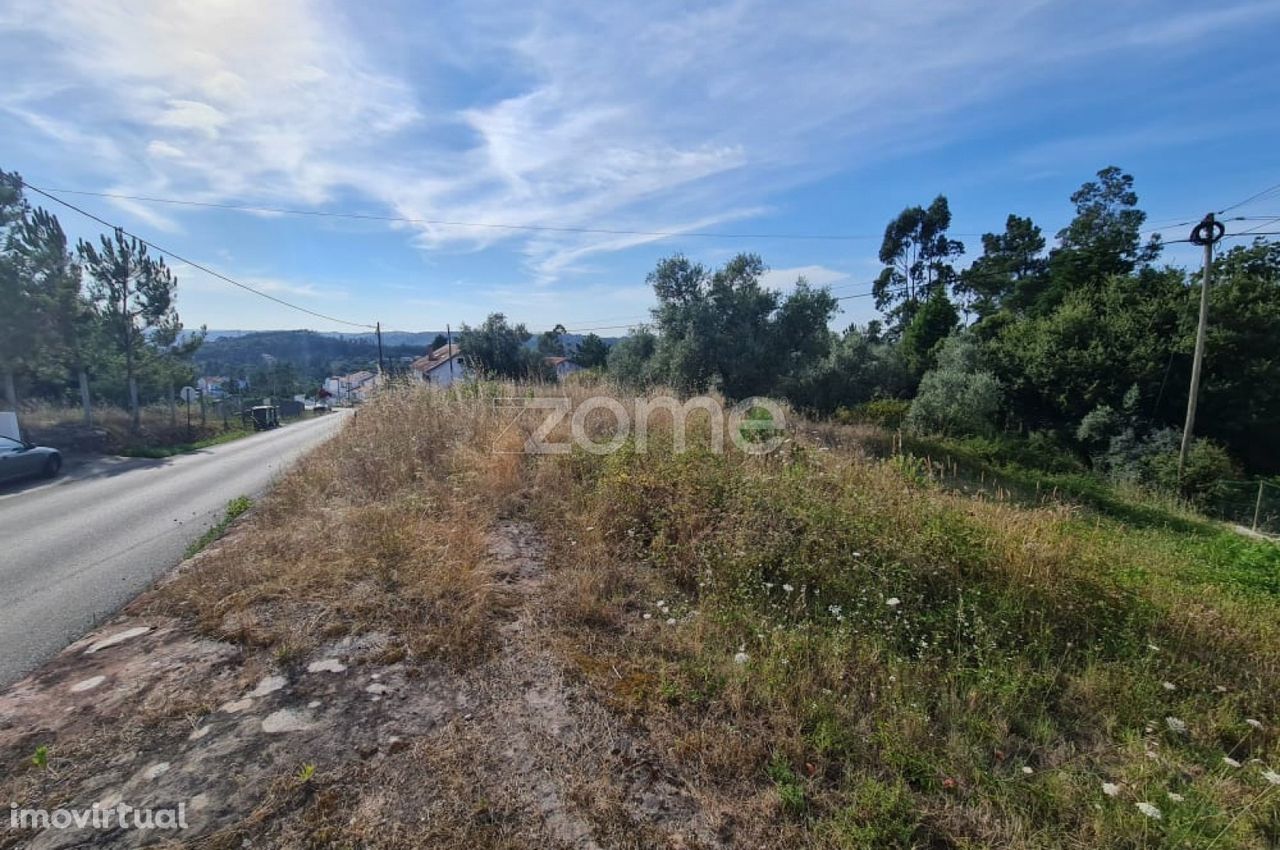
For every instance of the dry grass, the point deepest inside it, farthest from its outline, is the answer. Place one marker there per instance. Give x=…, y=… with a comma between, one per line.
x=1037, y=638
x=57, y=424
x=1021, y=638
x=382, y=531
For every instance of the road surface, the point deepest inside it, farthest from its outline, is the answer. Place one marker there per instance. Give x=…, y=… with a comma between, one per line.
x=75, y=550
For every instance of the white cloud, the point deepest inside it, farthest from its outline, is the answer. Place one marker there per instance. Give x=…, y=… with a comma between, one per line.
x=663, y=117
x=785, y=279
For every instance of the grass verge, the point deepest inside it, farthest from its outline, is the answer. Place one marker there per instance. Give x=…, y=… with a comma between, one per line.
x=160, y=452
x=235, y=509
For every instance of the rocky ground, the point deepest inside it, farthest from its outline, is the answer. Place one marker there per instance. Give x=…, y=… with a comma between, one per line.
x=338, y=748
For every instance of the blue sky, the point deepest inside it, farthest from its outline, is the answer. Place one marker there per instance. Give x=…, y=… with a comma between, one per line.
x=806, y=117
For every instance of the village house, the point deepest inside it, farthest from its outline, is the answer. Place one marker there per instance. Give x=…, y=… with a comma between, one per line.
x=353, y=388
x=442, y=367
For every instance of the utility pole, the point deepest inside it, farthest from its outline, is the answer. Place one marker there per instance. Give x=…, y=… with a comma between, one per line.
x=448, y=331
x=381, y=368
x=1205, y=233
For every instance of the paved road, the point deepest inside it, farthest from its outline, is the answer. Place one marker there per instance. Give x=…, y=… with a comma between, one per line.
x=75, y=550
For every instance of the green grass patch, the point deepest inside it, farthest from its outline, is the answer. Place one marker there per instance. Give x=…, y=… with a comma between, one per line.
x=235, y=508
x=903, y=665
x=160, y=452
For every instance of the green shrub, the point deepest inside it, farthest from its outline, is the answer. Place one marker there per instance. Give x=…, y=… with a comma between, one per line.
x=885, y=412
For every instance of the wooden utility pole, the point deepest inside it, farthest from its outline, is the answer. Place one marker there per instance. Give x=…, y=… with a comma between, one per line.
x=448, y=330
x=1205, y=233
x=381, y=368
x=1257, y=507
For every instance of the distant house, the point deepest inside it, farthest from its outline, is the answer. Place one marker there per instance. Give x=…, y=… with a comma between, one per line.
x=213, y=386
x=563, y=366
x=353, y=388
x=441, y=367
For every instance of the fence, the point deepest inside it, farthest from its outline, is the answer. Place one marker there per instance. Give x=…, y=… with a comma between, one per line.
x=1252, y=504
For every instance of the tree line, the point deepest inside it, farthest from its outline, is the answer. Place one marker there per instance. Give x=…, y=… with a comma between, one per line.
x=96, y=321
x=1080, y=347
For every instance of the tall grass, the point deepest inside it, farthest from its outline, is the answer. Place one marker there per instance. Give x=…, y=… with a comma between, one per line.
x=829, y=647
x=848, y=655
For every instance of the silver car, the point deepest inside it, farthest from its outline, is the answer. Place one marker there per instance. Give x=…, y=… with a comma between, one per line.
x=19, y=459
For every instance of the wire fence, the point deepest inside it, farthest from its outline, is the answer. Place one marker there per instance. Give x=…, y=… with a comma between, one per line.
x=1252, y=504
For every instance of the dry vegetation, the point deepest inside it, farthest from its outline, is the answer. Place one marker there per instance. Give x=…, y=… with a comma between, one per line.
x=811, y=648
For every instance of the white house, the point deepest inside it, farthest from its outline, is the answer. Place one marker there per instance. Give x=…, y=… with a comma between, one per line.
x=563, y=366
x=441, y=367
x=353, y=388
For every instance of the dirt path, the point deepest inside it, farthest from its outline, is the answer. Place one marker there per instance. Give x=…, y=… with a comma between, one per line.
x=338, y=747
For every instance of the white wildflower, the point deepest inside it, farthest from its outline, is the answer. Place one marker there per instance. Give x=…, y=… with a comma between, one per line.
x=1230, y=762
x=1149, y=810
x=1175, y=725
x=788, y=588
x=1271, y=776
x=741, y=657
x=1177, y=798
x=671, y=621
x=662, y=602
x=1256, y=724
x=1110, y=789
x=1170, y=686
x=893, y=602
x=1027, y=770
x=857, y=554
x=648, y=616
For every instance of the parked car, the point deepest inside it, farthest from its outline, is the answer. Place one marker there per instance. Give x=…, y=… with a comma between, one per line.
x=19, y=459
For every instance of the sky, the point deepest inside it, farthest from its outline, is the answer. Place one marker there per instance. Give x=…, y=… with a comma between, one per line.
x=502, y=131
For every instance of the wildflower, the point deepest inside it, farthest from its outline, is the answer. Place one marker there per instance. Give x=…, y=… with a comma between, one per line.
x=671, y=621
x=1111, y=789
x=1170, y=686
x=1221, y=689
x=648, y=616
x=1271, y=776
x=662, y=603
x=1256, y=724
x=1230, y=762
x=1177, y=798
x=893, y=602
x=1149, y=810
x=788, y=588
x=741, y=657
x=1027, y=770
x=857, y=554
x=1175, y=725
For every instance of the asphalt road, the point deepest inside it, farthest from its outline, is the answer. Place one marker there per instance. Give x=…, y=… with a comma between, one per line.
x=73, y=551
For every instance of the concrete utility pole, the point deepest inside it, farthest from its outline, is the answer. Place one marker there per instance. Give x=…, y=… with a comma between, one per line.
x=1206, y=233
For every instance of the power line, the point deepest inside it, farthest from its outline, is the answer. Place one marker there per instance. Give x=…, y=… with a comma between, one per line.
x=451, y=223
x=193, y=263
x=1251, y=198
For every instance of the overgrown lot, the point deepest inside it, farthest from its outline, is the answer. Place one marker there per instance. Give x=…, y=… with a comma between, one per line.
x=814, y=647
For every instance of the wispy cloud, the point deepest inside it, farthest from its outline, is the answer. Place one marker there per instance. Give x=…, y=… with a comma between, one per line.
x=661, y=117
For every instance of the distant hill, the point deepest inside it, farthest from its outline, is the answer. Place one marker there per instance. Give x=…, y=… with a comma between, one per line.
x=312, y=355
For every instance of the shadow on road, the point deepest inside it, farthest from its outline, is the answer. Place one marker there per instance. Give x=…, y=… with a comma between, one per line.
x=80, y=467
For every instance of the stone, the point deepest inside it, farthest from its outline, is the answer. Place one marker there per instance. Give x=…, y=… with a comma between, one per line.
x=88, y=684
x=117, y=638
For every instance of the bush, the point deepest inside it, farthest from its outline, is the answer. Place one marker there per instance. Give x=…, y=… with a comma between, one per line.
x=958, y=397
x=1208, y=465
x=885, y=412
